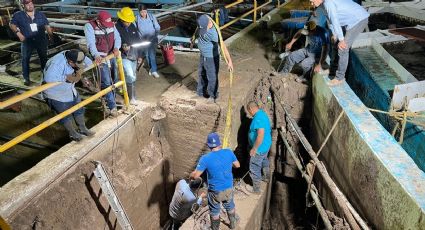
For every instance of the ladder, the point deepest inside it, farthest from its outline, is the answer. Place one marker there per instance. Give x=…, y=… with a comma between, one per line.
x=112, y=197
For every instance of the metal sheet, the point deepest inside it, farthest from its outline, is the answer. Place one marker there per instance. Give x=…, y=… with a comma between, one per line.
x=405, y=92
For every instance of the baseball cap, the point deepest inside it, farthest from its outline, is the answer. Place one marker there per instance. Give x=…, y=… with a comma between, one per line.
x=76, y=56
x=310, y=25
x=104, y=18
x=203, y=24
x=25, y=1
x=213, y=140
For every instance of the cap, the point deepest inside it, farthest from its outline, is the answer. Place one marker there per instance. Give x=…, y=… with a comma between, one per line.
x=310, y=25
x=25, y=1
x=126, y=14
x=104, y=18
x=213, y=140
x=76, y=56
x=203, y=24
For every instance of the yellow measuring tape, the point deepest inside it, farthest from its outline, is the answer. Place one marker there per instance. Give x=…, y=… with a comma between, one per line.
x=227, y=129
x=3, y=224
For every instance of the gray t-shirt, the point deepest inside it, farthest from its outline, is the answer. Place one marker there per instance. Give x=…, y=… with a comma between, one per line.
x=183, y=199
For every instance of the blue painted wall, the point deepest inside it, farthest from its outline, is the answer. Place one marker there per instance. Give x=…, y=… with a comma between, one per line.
x=371, y=79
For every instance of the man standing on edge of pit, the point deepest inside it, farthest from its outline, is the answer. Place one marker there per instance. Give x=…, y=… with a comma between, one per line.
x=209, y=61
x=30, y=27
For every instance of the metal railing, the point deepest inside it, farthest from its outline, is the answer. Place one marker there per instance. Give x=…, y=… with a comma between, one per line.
x=74, y=108
x=252, y=11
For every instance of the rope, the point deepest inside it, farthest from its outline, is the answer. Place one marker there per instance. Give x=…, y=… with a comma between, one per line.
x=320, y=150
x=402, y=117
x=227, y=129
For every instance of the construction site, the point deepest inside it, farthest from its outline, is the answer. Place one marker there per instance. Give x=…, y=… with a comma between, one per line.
x=349, y=156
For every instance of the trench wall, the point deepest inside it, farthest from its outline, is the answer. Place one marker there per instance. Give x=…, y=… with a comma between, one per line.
x=374, y=172
x=60, y=192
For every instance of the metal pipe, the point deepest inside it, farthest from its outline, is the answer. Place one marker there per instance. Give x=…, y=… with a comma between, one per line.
x=66, y=20
x=40, y=88
x=307, y=178
x=122, y=78
x=233, y=4
x=244, y=15
x=66, y=26
x=184, y=8
x=56, y=118
x=70, y=35
x=31, y=144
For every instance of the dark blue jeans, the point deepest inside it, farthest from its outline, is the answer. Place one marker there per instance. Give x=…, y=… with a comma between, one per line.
x=208, y=76
x=26, y=50
x=107, y=78
x=256, y=164
x=60, y=107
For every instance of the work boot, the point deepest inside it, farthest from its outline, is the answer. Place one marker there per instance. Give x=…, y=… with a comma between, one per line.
x=82, y=126
x=233, y=220
x=113, y=112
x=215, y=224
x=73, y=134
x=131, y=89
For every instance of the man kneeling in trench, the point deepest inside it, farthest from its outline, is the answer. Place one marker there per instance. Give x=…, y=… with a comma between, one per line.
x=185, y=201
x=218, y=165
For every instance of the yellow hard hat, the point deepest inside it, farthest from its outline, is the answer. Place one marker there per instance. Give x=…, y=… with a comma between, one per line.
x=126, y=14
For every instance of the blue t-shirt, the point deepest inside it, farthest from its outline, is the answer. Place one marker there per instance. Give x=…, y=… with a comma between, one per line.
x=23, y=21
x=218, y=165
x=317, y=39
x=260, y=120
x=208, y=43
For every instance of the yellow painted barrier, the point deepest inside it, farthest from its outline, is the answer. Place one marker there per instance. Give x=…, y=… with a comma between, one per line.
x=41, y=88
x=74, y=108
x=56, y=118
x=246, y=14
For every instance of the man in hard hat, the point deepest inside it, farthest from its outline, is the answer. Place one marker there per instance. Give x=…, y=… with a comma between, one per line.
x=209, y=47
x=30, y=26
x=260, y=141
x=129, y=36
x=218, y=166
x=347, y=20
x=67, y=67
x=314, y=54
x=103, y=39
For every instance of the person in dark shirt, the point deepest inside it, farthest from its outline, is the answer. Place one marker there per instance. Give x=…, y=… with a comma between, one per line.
x=30, y=27
x=313, y=54
x=130, y=55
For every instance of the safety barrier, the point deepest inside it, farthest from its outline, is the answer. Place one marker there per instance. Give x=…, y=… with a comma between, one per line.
x=56, y=118
x=253, y=10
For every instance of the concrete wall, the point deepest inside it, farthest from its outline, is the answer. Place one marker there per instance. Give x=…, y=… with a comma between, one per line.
x=374, y=172
x=60, y=192
x=363, y=73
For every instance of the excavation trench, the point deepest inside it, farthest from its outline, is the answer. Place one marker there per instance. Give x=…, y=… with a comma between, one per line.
x=146, y=152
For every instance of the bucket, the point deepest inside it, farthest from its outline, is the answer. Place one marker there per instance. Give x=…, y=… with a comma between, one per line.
x=168, y=54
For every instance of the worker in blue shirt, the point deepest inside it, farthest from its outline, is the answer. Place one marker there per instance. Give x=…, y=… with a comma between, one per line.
x=344, y=16
x=30, y=27
x=67, y=67
x=149, y=29
x=208, y=68
x=103, y=39
x=218, y=166
x=260, y=141
x=313, y=54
